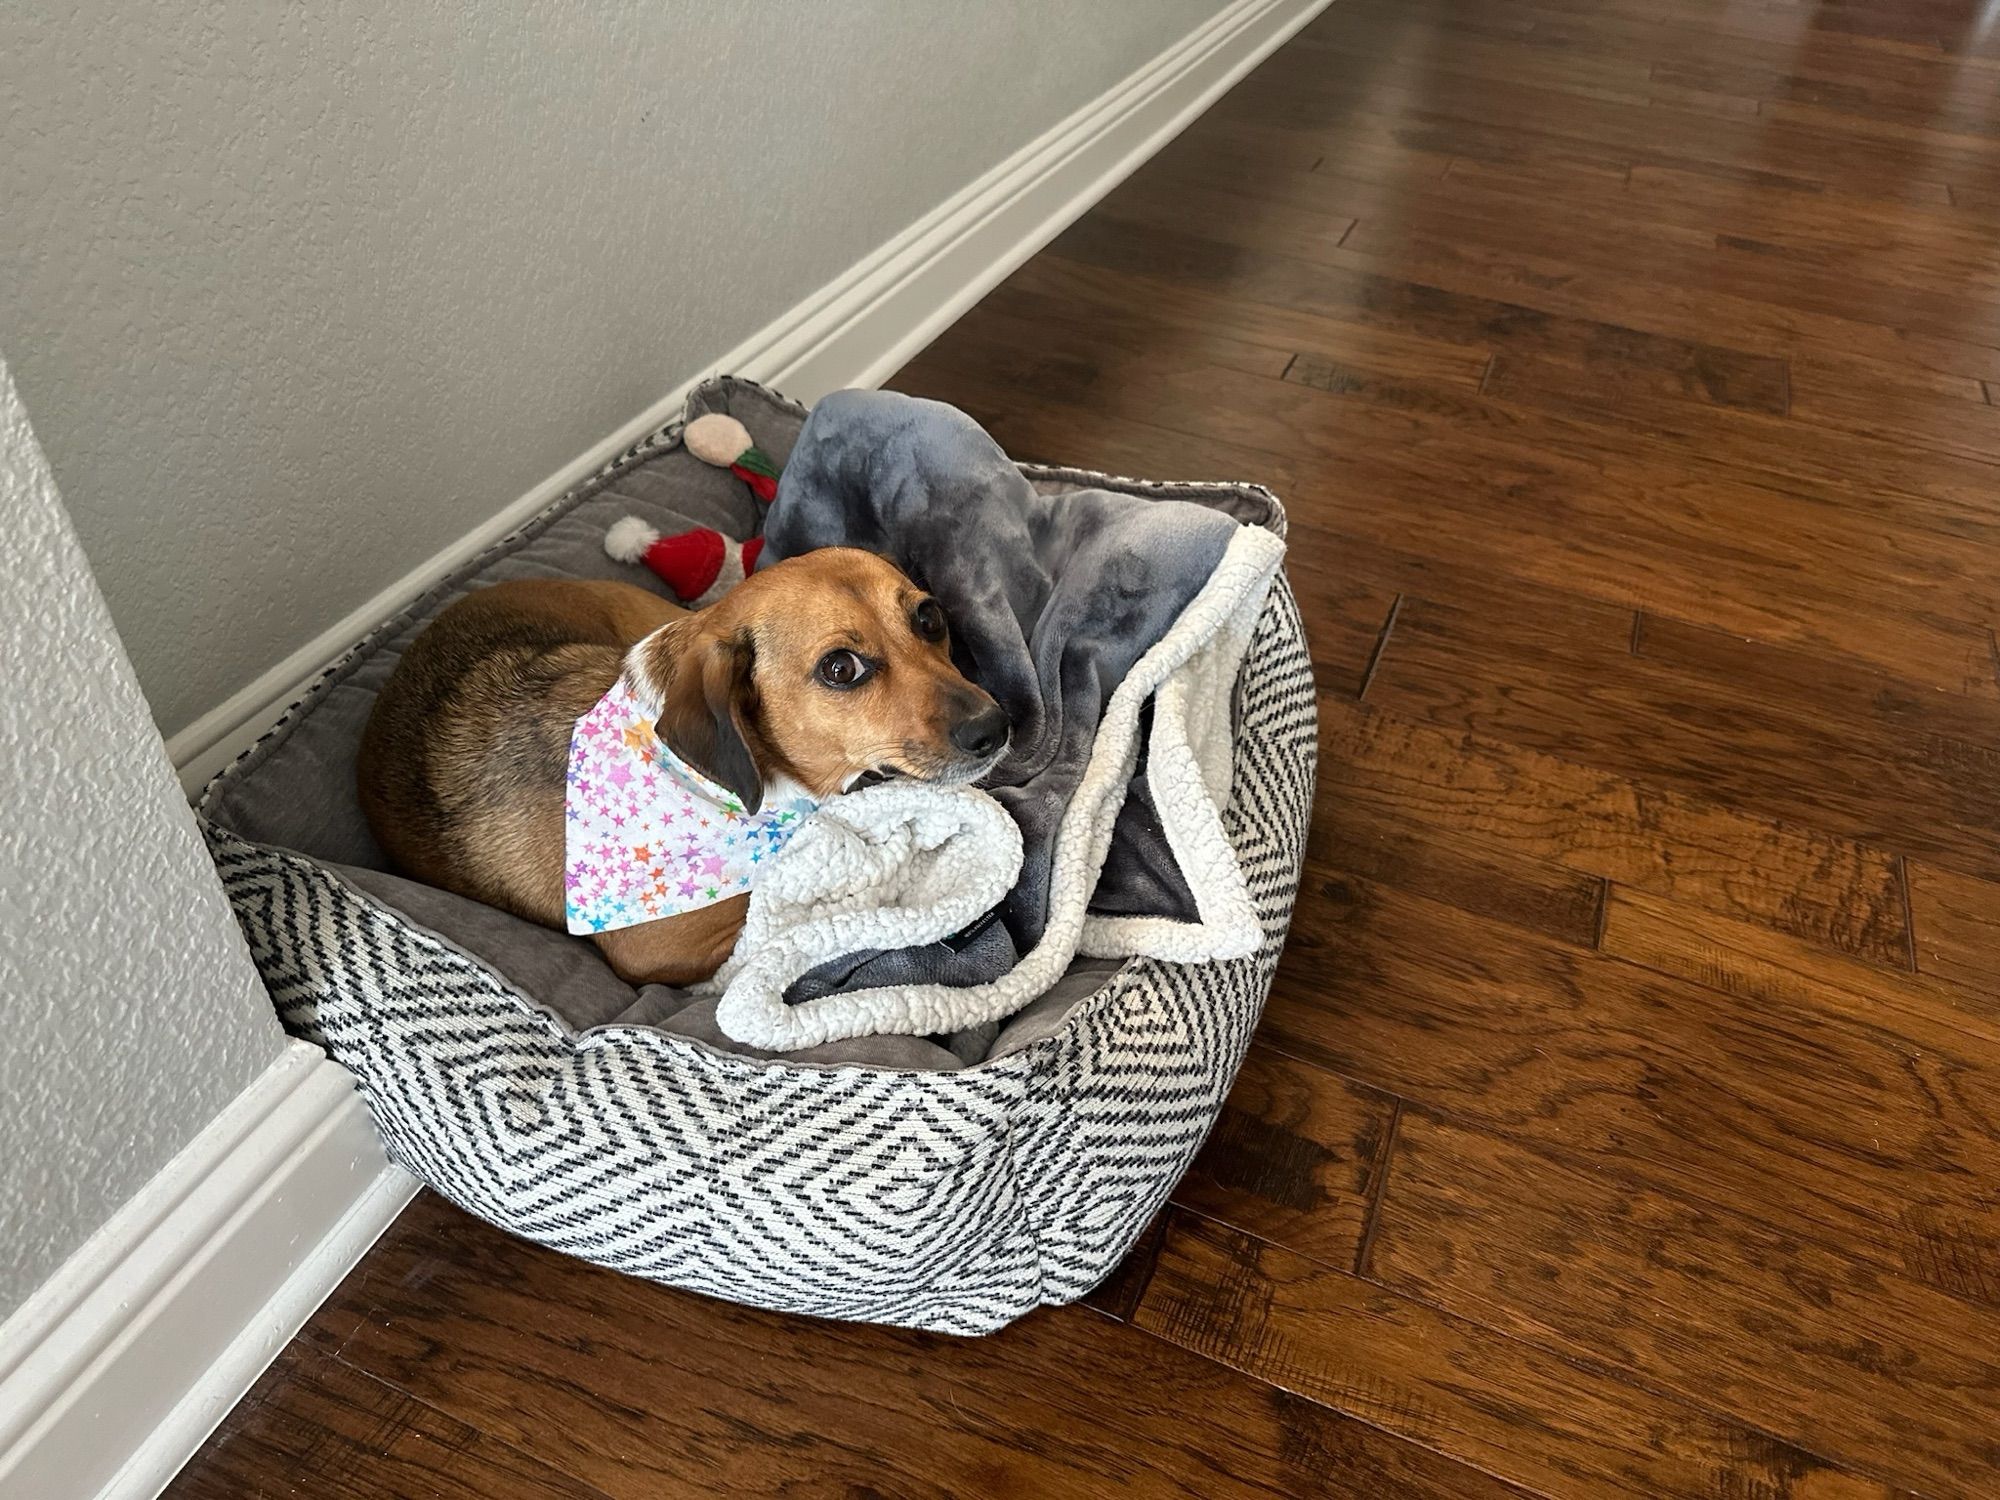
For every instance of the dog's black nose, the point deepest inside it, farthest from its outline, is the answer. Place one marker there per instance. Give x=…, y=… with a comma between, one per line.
x=983, y=733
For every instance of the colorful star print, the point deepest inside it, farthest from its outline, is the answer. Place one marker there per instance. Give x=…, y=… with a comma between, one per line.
x=647, y=835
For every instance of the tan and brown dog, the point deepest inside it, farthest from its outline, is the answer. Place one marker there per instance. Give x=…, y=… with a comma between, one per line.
x=816, y=671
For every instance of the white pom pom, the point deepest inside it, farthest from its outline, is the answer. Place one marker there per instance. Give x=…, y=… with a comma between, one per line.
x=627, y=540
x=717, y=439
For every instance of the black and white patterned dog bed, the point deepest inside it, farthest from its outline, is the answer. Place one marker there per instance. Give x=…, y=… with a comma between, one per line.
x=882, y=1179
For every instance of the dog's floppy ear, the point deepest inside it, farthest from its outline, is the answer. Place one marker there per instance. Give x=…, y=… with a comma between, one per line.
x=707, y=710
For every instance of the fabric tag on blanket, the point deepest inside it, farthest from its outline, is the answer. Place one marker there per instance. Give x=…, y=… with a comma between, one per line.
x=645, y=834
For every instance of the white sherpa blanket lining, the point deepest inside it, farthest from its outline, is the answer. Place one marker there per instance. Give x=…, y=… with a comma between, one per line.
x=900, y=865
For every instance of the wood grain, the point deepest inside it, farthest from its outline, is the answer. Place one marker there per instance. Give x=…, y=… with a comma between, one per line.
x=1835, y=891
x=1546, y=1421
x=1878, y=1373
x=1165, y=305
x=1828, y=1124
x=1956, y=927
x=1330, y=284
x=1351, y=836
x=1569, y=686
x=313, y=1424
x=1945, y=1246
x=648, y=1392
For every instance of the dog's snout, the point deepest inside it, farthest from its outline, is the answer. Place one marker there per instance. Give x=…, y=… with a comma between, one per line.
x=983, y=733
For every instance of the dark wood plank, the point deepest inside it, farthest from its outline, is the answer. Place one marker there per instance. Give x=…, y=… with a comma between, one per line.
x=1100, y=441
x=1840, y=688
x=1889, y=240
x=1553, y=1424
x=648, y=1392
x=1460, y=116
x=1948, y=1249
x=1483, y=321
x=1489, y=84
x=1351, y=619
x=1821, y=1122
x=1970, y=136
x=1708, y=35
x=1227, y=150
x=1779, y=739
x=1677, y=286
x=1877, y=1373
x=1836, y=892
x=1979, y=201
x=1252, y=220
x=1891, y=313
x=1755, y=962
x=1167, y=306
x=1955, y=919
x=1935, y=448
x=1455, y=865
x=1293, y=1158
x=1364, y=36
x=1331, y=284
x=1655, y=222
x=313, y=1425
x=1006, y=320
x=1911, y=263
x=1585, y=34
x=1819, y=373
x=1678, y=213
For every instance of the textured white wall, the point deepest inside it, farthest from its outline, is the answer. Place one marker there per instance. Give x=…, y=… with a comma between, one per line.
x=300, y=293
x=132, y=1011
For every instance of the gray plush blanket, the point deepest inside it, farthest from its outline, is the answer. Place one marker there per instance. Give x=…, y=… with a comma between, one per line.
x=1051, y=601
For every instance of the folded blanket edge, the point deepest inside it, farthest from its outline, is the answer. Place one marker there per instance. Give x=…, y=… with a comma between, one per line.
x=1239, y=587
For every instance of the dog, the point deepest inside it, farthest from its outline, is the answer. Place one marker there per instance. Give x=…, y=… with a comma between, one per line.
x=807, y=677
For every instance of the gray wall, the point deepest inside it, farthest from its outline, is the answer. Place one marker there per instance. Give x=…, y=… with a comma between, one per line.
x=132, y=1011
x=298, y=294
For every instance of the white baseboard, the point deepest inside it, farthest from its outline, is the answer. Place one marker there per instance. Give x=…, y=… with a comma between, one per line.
x=118, y=1367
x=856, y=330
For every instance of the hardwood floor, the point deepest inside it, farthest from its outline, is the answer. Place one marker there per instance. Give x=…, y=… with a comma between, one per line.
x=1626, y=1117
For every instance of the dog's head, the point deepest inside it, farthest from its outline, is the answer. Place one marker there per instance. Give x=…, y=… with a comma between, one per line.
x=822, y=669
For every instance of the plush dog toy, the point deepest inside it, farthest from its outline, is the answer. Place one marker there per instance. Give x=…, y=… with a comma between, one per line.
x=702, y=565
x=719, y=439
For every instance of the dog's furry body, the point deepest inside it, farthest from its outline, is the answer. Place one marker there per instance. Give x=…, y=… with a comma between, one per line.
x=462, y=767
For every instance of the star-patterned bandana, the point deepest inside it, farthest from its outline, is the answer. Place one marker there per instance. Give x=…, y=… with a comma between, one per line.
x=645, y=834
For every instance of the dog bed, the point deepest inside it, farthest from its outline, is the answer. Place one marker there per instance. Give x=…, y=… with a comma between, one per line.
x=886, y=1179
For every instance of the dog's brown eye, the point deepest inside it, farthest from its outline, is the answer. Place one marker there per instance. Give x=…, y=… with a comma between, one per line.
x=841, y=669
x=928, y=620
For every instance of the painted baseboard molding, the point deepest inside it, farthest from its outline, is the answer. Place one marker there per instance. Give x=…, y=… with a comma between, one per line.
x=118, y=1367
x=860, y=327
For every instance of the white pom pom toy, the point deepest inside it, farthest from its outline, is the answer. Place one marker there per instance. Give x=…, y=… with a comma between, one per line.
x=718, y=439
